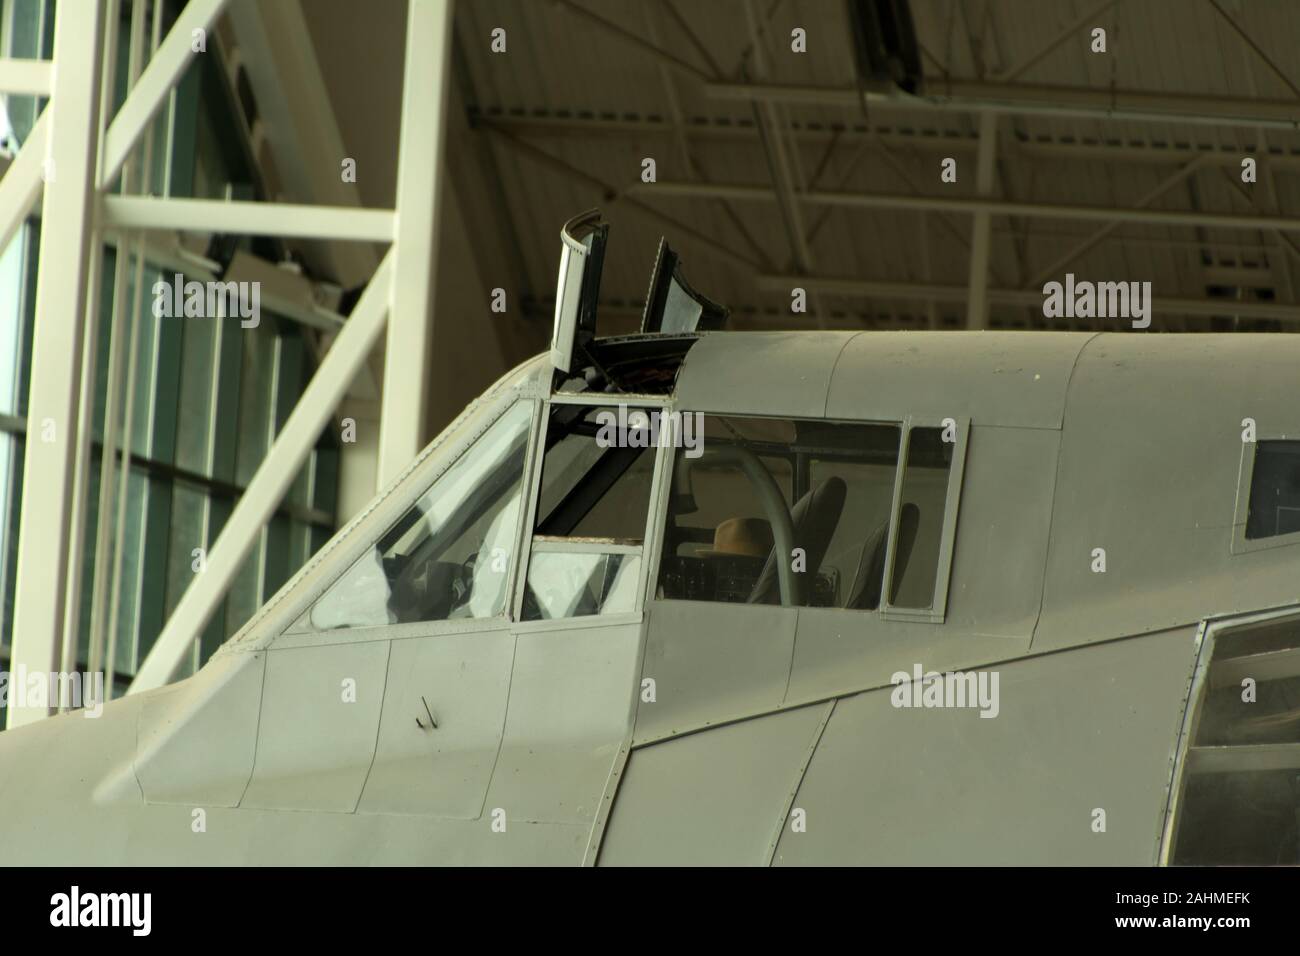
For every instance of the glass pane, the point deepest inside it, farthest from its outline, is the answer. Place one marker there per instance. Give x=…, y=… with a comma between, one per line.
x=833, y=482
x=257, y=378
x=448, y=556
x=920, y=518
x=246, y=593
x=597, y=474
x=1274, y=490
x=854, y=561
x=137, y=491
x=11, y=470
x=32, y=29
x=186, y=534
x=146, y=355
x=198, y=360
x=13, y=280
x=574, y=584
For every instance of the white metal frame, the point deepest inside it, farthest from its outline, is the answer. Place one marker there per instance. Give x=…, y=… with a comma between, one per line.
x=46, y=542
x=78, y=209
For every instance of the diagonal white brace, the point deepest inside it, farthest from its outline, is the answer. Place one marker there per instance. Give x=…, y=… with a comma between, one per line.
x=277, y=472
x=22, y=182
x=155, y=83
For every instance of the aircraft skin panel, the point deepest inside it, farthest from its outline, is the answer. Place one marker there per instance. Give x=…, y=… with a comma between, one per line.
x=53, y=817
x=731, y=372
x=1077, y=732
x=992, y=378
x=320, y=718
x=837, y=652
x=1003, y=517
x=68, y=787
x=442, y=771
x=1150, y=460
x=712, y=798
x=197, y=741
x=712, y=663
x=568, y=716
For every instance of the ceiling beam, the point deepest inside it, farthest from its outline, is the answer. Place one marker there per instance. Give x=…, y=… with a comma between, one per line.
x=561, y=123
x=967, y=96
x=920, y=291
x=971, y=205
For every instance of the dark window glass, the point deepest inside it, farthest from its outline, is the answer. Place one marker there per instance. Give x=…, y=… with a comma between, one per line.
x=1240, y=802
x=596, y=474
x=832, y=482
x=1274, y=490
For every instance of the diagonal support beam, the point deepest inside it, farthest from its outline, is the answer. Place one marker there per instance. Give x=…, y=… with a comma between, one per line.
x=1256, y=49
x=1088, y=19
x=276, y=473
x=22, y=183
x=635, y=40
x=1076, y=251
x=613, y=194
x=164, y=69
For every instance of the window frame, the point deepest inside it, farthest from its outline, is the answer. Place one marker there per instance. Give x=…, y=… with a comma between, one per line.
x=936, y=613
x=938, y=609
x=1240, y=544
x=655, y=509
x=301, y=632
x=1208, y=632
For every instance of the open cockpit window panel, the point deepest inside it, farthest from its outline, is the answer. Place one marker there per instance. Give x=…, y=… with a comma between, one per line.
x=672, y=306
x=449, y=556
x=779, y=511
x=593, y=505
x=577, y=288
x=1237, y=792
x=1268, y=497
x=924, y=518
x=644, y=364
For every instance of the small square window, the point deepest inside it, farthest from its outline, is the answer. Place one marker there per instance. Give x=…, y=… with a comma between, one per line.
x=1274, y=490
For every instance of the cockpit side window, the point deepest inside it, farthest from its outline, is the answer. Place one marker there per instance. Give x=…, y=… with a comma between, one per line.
x=447, y=557
x=1274, y=490
x=776, y=511
x=592, y=510
x=812, y=514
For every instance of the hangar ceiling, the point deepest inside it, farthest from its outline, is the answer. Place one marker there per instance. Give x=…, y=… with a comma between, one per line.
x=776, y=168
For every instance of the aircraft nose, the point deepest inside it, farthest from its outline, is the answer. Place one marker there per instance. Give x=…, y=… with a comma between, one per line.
x=63, y=782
